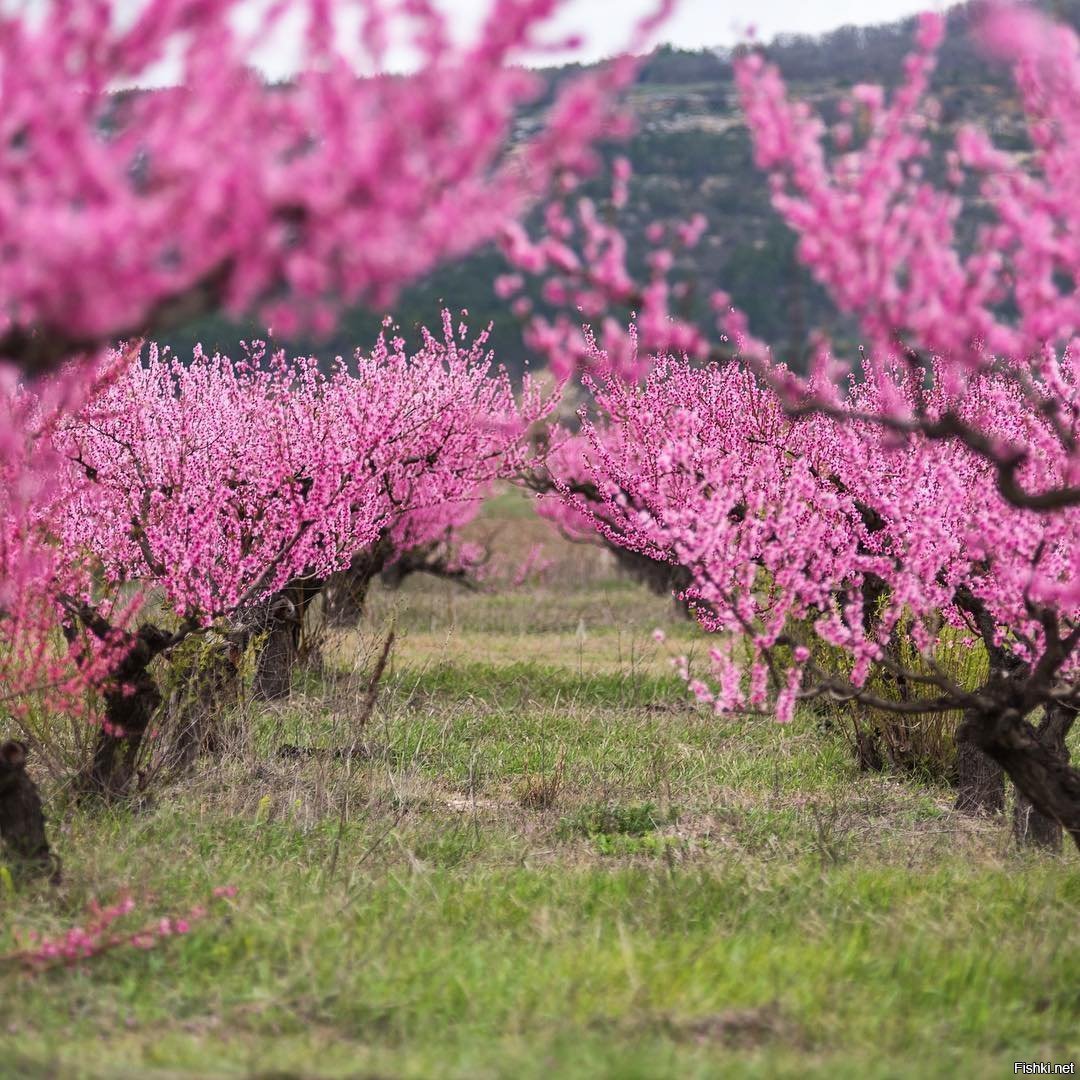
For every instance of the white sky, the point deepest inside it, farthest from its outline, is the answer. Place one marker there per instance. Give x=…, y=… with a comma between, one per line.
x=607, y=25
x=704, y=23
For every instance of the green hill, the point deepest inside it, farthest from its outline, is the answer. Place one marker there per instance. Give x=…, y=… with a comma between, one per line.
x=691, y=153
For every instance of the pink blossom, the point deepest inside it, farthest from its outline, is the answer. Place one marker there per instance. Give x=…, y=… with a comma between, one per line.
x=944, y=473
x=101, y=934
x=120, y=213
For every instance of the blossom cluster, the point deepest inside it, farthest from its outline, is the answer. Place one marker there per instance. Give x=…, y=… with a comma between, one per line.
x=581, y=262
x=124, y=209
x=215, y=483
x=99, y=934
x=936, y=478
x=220, y=481
x=842, y=525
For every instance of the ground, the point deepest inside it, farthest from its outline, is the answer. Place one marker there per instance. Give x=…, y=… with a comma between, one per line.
x=543, y=860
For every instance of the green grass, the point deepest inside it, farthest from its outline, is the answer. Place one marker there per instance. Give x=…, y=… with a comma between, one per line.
x=523, y=684
x=471, y=942
x=700, y=897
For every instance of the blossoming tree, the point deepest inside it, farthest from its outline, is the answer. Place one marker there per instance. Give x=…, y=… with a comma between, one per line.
x=989, y=325
x=125, y=210
x=941, y=487
x=219, y=485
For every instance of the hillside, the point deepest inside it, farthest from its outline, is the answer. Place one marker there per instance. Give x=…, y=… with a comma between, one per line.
x=691, y=153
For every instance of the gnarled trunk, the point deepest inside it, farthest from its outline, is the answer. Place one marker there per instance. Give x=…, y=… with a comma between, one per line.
x=22, y=821
x=131, y=699
x=867, y=749
x=1041, y=772
x=281, y=618
x=980, y=783
x=129, y=708
x=1030, y=826
x=346, y=595
x=194, y=707
x=130, y=703
x=276, y=659
x=346, y=592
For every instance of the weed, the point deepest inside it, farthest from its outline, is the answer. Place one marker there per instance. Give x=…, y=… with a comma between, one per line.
x=540, y=791
x=604, y=819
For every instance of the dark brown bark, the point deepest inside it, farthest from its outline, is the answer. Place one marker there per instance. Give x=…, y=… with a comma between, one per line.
x=346, y=592
x=131, y=696
x=22, y=821
x=980, y=783
x=128, y=712
x=868, y=749
x=346, y=595
x=977, y=781
x=130, y=703
x=1041, y=772
x=433, y=559
x=281, y=619
x=1030, y=826
x=281, y=623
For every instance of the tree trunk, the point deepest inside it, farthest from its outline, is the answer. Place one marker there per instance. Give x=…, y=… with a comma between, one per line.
x=416, y=561
x=980, y=783
x=130, y=703
x=346, y=596
x=1038, y=766
x=1041, y=772
x=346, y=592
x=22, y=822
x=196, y=704
x=129, y=708
x=1030, y=826
x=281, y=618
x=280, y=621
x=867, y=749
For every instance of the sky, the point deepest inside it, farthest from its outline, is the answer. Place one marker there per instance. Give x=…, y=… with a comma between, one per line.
x=705, y=23
x=607, y=25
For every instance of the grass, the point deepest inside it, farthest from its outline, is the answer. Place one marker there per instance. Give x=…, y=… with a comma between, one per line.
x=690, y=897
